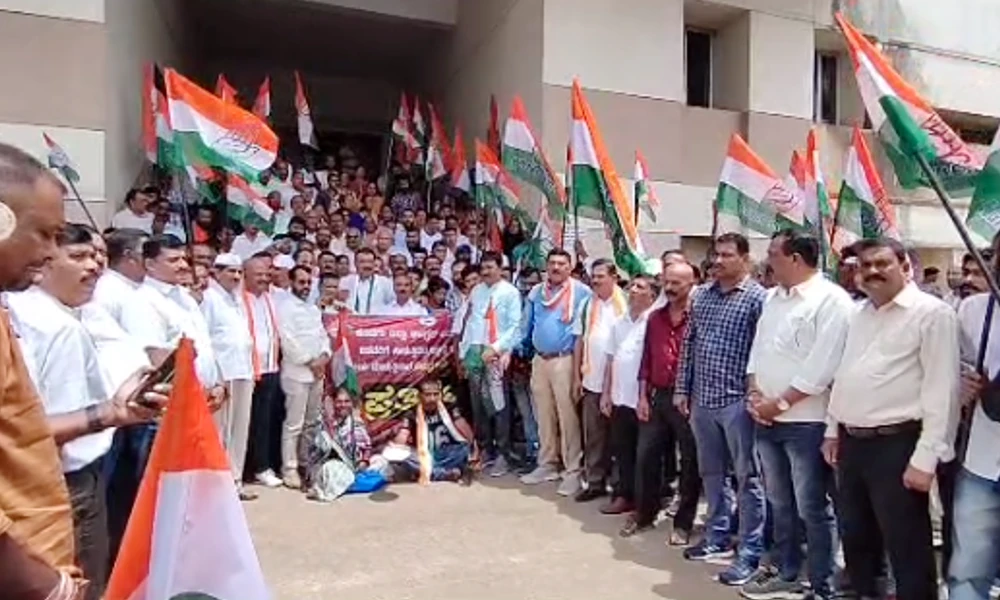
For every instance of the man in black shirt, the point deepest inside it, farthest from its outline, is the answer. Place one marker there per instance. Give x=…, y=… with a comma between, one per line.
x=438, y=436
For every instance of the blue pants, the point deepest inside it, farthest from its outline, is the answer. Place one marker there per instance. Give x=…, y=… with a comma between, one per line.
x=724, y=437
x=795, y=481
x=492, y=426
x=447, y=458
x=976, y=538
x=520, y=392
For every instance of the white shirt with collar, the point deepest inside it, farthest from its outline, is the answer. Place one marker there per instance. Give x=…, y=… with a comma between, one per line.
x=228, y=330
x=338, y=244
x=119, y=355
x=624, y=353
x=597, y=327
x=901, y=363
x=113, y=293
x=367, y=296
x=427, y=240
x=799, y=343
x=303, y=338
x=171, y=312
x=982, y=457
x=126, y=219
x=245, y=247
x=64, y=366
x=411, y=308
x=261, y=314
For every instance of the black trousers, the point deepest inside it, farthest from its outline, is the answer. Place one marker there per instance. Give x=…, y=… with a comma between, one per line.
x=90, y=525
x=596, y=430
x=666, y=430
x=266, y=418
x=879, y=514
x=624, y=438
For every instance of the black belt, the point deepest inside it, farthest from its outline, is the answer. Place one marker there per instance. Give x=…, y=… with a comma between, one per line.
x=551, y=355
x=882, y=430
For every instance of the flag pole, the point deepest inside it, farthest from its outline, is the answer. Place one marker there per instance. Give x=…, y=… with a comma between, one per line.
x=76, y=195
x=956, y=220
x=388, y=165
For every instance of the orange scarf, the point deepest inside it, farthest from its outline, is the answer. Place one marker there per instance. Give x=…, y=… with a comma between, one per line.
x=248, y=305
x=618, y=302
x=563, y=299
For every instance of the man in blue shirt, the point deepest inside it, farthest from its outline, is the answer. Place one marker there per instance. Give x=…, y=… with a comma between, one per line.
x=712, y=389
x=552, y=310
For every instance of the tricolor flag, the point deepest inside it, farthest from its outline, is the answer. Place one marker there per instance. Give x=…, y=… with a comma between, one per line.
x=149, y=102
x=863, y=207
x=460, y=164
x=597, y=189
x=523, y=158
x=906, y=123
x=307, y=133
x=224, y=90
x=247, y=206
x=187, y=536
x=410, y=150
x=262, y=105
x=344, y=374
x=204, y=179
x=751, y=196
x=60, y=161
x=213, y=133
x=498, y=194
x=984, y=212
x=796, y=178
x=439, y=137
x=644, y=196
x=818, y=213
x=157, y=134
x=419, y=127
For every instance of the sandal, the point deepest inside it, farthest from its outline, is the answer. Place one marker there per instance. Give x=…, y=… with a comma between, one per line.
x=632, y=527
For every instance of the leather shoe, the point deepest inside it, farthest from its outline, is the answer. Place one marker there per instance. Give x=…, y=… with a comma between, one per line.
x=617, y=506
x=591, y=493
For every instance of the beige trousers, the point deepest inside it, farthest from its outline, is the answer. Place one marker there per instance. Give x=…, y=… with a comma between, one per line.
x=302, y=404
x=558, y=421
x=233, y=421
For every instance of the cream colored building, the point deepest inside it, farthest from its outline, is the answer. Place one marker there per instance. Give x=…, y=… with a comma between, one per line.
x=674, y=78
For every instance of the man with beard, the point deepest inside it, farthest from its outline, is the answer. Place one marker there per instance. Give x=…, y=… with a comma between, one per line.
x=82, y=414
x=891, y=421
x=305, y=354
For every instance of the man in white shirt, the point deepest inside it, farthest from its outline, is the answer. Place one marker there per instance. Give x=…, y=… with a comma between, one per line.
x=136, y=214
x=82, y=413
x=233, y=349
x=403, y=305
x=796, y=350
x=367, y=292
x=260, y=311
x=976, y=534
x=305, y=355
x=281, y=282
x=250, y=242
x=891, y=420
x=620, y=391
x=430, y=233
x=593, y=332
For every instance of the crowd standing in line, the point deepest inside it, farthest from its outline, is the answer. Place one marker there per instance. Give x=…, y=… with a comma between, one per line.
x=811, y=412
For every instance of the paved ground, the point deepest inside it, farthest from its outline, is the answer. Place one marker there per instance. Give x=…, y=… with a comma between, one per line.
x=493, y=541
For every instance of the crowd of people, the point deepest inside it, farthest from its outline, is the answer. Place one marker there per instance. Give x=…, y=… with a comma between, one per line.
x=811, y=413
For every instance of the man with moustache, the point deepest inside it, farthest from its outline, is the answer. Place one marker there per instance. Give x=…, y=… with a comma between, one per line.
x=662, y=428
x=367, y=292
x=82, y=413
x=305, y=354
x=891, y=421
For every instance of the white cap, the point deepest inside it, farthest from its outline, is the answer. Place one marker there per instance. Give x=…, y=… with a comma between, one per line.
x=283, y=261
x=228, y=259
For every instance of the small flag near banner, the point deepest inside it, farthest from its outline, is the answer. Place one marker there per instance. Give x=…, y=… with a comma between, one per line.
x=60, y=161
x=224, y=90
x=187, y=536
x=262, y=105
x=344, y=374
x=307, y=133
x=247, y=206
x=644, y=195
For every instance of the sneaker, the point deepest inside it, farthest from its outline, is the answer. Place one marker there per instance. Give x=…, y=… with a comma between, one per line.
x=738, y=573
x=570, y=485
x=499, y=468
x=268, y=479
x=541, y=474
x=768, y=585
x=705, y=551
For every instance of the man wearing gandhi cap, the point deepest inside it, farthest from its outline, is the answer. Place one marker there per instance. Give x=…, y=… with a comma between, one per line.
x=281, y=282
x=233, y=348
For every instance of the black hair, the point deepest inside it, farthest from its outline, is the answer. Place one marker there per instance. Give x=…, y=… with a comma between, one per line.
x=415, y=271
x=297, y=253
x=736, y=239
x=493, y=257
x=74, y=233
x=124, y=241
x=323, y=278
x=470, y=270
x=262, y=254
x=298, y=269
x=365, y=250
x=931, y=271
x=797, y=242
x=154, y=245
x=327, y=253
x=432, y=382
x=674, y=252
x=558, y=252
x=436, y=284
x=862, y=246
x=296, y=220
x=605, y=263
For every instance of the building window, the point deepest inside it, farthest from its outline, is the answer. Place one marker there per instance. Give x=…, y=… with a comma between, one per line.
x=698, y=67
x=825, y=78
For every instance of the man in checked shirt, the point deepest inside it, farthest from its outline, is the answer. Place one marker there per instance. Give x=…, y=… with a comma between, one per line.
x=712, y=389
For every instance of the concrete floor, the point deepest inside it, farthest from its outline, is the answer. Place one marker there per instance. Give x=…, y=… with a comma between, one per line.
x=496, y=540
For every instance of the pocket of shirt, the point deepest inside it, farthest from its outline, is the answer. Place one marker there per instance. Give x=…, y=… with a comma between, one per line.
x=795, y=335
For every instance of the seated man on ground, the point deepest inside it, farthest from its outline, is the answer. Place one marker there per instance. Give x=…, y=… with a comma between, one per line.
x=438, y=440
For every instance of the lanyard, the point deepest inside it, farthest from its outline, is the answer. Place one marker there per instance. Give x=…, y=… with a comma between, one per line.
x=357, y=299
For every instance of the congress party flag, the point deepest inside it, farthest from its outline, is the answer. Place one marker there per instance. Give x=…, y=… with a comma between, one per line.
x=247, y=206
x=523, y=158
x=751, y=196
x=187, y=537
x=307, y=133
x=262, y=105
x=863, y=207
x=644, y=196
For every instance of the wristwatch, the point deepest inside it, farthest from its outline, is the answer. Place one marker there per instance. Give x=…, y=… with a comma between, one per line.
x=783, y=404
